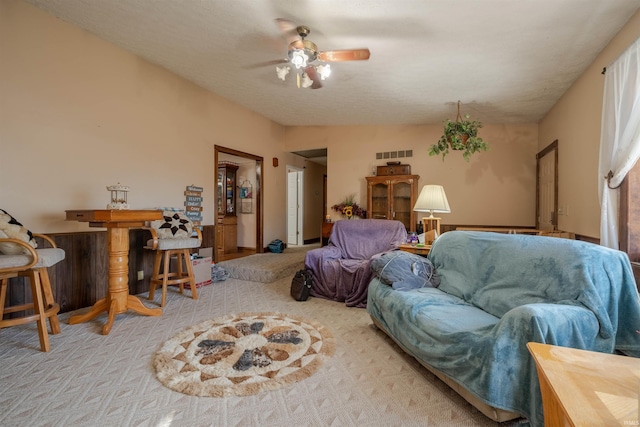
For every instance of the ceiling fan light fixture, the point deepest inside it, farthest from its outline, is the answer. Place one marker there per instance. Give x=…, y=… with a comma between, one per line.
x=303, y=54
x=305, y=81
x=282, y=72
x=324, y=70
x=298, y=58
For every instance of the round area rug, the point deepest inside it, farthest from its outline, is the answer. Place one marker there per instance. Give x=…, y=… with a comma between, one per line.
x=243, y=354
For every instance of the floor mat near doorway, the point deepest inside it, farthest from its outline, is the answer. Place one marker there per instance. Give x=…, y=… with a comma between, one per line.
x=267, y=267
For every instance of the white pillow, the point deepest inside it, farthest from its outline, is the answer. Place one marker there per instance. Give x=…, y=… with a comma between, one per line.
x=173, y=225
x=12, y=229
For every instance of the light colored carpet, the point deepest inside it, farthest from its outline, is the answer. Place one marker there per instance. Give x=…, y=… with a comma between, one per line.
x=89, y=379
x=268, y=267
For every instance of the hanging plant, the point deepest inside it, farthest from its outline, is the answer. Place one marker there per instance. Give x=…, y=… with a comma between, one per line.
x=460, y=135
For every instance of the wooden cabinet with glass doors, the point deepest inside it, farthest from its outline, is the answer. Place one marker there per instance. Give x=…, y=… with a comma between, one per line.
x=227, y=225
x=393, y=197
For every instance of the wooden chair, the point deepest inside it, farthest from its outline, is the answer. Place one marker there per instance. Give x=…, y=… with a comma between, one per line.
x=169, y=243
x=33, y=264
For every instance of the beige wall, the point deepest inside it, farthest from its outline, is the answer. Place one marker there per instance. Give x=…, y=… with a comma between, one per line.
x=495, y=187
x=575, y=122
x=78, y=114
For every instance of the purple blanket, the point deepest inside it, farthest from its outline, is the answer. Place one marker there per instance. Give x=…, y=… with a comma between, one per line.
x=341, y=270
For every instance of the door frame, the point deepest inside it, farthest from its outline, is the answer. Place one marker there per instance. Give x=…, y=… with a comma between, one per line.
x=300, y=204
x=257, y=190
x=551, y=149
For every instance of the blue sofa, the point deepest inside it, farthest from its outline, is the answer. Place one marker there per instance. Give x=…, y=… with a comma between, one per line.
x=496, y=293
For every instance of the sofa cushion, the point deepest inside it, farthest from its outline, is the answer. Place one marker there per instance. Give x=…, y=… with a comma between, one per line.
x=12, y=229
x=427, y=312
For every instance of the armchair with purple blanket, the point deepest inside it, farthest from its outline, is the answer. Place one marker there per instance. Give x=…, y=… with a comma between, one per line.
x=342, y=269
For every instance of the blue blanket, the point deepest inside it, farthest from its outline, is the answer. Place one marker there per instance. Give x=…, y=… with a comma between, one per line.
x=497, y=292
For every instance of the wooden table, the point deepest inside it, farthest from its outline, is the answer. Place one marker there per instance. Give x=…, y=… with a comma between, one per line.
x=586, y=388
x=418, y=250
x=118, y=300
x=326, y=232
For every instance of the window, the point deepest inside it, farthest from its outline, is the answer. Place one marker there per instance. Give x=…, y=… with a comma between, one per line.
x=630, y=219
x=619, y=151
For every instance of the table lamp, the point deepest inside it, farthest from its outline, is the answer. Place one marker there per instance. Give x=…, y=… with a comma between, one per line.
x=432, y=199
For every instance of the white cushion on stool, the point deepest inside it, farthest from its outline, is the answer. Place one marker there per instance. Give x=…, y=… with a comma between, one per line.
x=46, y=258
x=166, y=244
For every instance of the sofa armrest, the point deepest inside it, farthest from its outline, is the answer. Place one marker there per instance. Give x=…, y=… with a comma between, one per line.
x=154, y=241
x=13, y=264
x=557, y=324
x=46, y=238
x=318, y=256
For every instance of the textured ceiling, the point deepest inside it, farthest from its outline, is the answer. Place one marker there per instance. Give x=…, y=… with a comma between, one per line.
x=507, y=61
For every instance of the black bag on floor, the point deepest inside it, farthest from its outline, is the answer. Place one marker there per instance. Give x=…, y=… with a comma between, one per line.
x=301, y=285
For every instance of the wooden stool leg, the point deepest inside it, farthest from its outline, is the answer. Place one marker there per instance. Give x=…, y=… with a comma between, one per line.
x=38, y=307
x=181, y=262
x=165, y=276
x=49, y=302
x=192, y=277
x=155, y=275
x=3, y=296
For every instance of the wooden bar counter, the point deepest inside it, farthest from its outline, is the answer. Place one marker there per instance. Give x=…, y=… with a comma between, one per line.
x=118, y=300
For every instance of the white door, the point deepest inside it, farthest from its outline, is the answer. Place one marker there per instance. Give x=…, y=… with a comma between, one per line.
x=547, y=209
x=294, y=206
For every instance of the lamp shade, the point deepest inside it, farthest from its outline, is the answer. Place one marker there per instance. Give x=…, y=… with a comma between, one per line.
x=432, y=199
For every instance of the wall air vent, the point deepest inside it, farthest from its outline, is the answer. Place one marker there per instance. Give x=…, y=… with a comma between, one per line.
x=394, y=154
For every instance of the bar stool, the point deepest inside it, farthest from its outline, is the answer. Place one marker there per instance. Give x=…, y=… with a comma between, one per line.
x=32, y=263
x=171, y=237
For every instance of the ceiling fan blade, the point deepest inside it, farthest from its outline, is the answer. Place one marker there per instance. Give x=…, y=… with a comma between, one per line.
x=344, y=55
x=288, y=30
x=313, y=75
x=267, y=63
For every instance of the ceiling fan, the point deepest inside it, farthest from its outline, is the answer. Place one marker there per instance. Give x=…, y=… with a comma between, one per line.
x=311, y=64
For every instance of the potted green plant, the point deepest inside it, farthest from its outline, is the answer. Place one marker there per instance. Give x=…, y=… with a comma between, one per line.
x=460, y=135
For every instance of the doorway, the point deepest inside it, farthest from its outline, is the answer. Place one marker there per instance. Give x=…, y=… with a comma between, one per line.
x=257, y=202
x=295, y=205
x=312, y=197
x=547, y=188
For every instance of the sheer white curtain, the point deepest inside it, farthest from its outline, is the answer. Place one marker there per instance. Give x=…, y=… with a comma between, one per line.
x=620, y=137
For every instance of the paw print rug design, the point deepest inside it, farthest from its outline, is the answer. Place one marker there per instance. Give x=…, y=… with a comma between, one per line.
x=243, y=354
